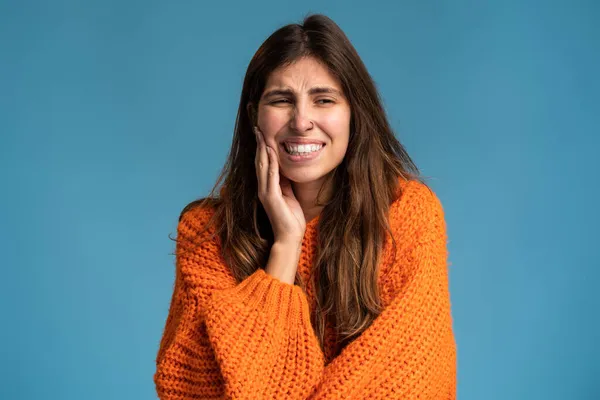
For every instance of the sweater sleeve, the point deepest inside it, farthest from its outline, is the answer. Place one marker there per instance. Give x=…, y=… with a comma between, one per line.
x=185, y=364
x=224, y=340
x=262, y=336
x=409, y=350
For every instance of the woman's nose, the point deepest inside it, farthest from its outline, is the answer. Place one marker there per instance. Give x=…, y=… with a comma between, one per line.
x=300, y=120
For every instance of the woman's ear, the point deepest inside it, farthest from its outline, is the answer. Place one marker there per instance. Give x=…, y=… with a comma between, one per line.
x=252, y=114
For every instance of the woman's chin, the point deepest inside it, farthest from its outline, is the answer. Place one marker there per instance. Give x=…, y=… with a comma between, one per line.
x=298, y=177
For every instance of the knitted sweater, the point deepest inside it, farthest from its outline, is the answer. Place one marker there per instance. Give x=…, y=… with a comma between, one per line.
x=254, y=340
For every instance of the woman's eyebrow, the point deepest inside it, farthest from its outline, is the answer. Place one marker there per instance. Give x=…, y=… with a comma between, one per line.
x=314, y=90
x=324, y=89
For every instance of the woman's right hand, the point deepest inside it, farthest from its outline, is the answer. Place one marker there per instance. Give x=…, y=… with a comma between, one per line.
x=277, y=197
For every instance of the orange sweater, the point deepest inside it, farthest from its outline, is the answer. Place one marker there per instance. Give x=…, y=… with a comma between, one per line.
x=254, y=340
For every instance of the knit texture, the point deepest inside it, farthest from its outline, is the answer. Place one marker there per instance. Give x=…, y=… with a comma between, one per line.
x=254, y=340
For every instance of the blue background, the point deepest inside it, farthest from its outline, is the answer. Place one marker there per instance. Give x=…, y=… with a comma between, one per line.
x=115, y=114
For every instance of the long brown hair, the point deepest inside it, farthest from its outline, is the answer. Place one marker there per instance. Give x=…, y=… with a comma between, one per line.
x=366, y=183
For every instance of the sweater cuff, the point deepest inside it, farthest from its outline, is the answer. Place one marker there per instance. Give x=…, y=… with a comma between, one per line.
x=279, y=301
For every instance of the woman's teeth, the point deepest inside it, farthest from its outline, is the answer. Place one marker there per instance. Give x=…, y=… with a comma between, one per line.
x=302, y=149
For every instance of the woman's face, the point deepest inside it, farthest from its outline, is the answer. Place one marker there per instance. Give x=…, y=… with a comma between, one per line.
x=304, y=104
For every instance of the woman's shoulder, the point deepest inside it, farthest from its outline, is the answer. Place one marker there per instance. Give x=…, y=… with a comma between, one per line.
x=199, y=257
x=196, y=219
x=201, y=208
x=417, y=202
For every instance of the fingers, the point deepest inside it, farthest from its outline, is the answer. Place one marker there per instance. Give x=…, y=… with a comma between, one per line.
x=273, y=173
x=261, y=163
x=286, y=187
x=267, y=167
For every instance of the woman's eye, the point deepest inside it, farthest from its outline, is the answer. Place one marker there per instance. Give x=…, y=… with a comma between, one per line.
x=324, y=101
x=284, y=101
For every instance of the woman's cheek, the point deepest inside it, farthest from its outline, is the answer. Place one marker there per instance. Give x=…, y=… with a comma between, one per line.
x=337, y=124
x=270, y=124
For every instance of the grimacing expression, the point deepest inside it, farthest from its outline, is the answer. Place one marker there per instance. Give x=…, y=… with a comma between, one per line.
x=304, y=102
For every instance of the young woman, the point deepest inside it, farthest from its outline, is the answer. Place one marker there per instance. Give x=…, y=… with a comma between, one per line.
x=319, y=271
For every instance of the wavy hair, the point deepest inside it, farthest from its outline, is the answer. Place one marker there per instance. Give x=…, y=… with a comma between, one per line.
x=348, y=253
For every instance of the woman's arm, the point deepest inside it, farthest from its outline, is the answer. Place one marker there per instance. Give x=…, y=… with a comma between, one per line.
x=252, y=340
x=409, y=351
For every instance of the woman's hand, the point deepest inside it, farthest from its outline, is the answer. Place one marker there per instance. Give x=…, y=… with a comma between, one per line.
x=277, y=197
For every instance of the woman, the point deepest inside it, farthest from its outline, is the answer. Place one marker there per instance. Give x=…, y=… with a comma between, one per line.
x=320, y=270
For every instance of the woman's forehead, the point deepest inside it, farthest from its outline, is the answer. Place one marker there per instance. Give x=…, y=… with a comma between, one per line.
x=302, y=75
